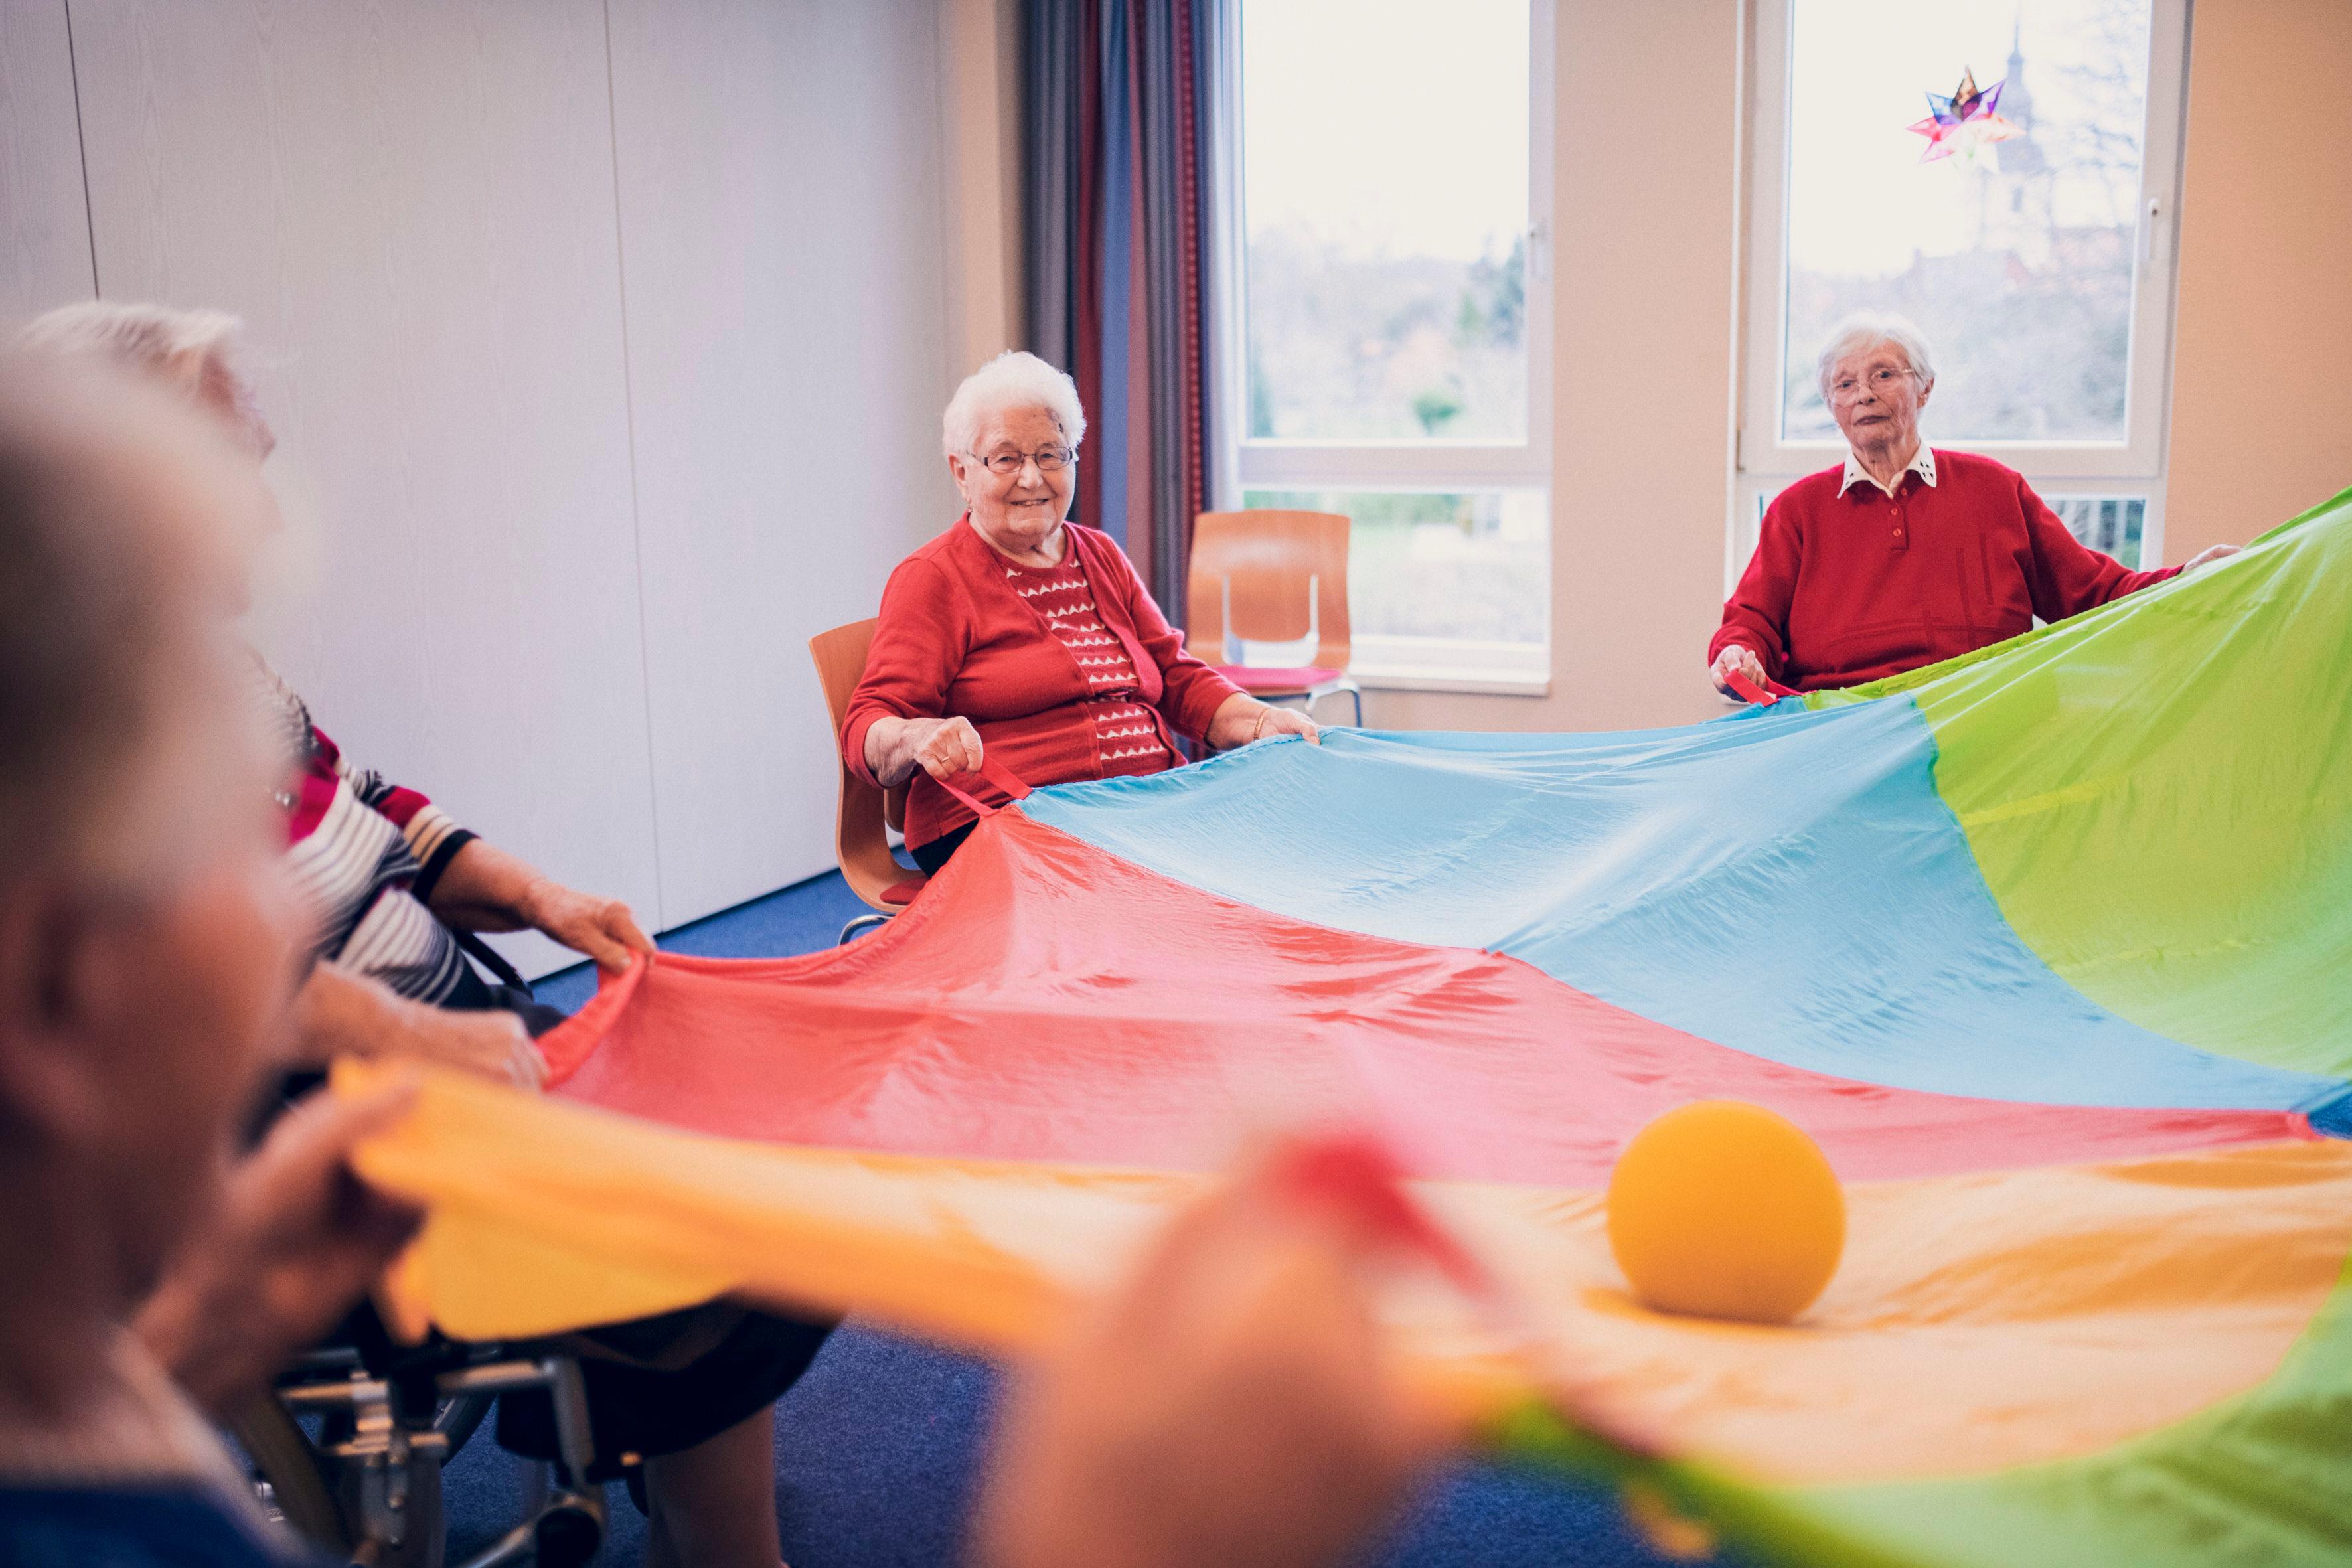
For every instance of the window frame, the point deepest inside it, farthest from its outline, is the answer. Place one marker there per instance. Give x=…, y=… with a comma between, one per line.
x=1241, y=462
x=1770, y=462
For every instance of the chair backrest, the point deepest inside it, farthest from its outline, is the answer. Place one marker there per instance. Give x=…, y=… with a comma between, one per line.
x=859, y=842
x=1270, y=558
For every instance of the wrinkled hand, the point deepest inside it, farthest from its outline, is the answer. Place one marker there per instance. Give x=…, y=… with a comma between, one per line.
x=600, y=927
x=491, y=1044
x=944, y=748
x=342, y=1014
x=2207, y=556
x=296, y=1241
x=1232, y=1406
x=1241, y=720
x=1742, y=660
x=1275, y=721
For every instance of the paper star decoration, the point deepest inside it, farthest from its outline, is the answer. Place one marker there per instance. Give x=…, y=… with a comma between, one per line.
x=1965, y=123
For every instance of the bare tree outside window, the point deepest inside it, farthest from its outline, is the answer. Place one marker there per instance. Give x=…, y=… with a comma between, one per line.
x=1385, y=207
x=2018, y=263
x=1385, y=172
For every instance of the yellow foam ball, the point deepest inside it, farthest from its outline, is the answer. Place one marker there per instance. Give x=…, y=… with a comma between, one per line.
x=1724, y=1209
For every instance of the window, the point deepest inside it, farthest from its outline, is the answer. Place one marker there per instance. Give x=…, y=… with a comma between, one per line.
x=1391, y=326
x=2116, y=524
x=2040, y=266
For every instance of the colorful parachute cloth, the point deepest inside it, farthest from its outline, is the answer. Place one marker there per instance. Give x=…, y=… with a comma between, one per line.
x=2050, y=947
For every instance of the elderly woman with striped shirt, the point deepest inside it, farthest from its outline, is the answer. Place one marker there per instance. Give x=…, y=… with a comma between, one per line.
x=388, y=878
x=1022, y=636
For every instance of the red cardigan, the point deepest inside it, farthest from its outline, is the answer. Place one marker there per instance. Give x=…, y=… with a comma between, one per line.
x=1848, y=588
x=956, y=639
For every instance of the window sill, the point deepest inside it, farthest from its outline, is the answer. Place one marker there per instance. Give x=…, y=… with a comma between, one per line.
x=1469, y=682
x=1389, y=663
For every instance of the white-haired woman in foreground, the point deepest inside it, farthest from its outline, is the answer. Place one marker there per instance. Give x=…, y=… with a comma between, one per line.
x=1025, y=636
x=388, y=880
x=1901, y=556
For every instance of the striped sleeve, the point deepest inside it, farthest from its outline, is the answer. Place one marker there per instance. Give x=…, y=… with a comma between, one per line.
x=433, y=835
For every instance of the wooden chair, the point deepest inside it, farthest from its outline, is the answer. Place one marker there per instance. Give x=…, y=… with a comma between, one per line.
x=1283, y=575
x=859, y=843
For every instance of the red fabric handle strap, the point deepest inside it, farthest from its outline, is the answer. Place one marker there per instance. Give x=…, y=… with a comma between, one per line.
x=1751, y=693
x=995, y=772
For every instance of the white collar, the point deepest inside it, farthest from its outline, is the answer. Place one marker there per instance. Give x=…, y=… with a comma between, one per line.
x=1922, y=464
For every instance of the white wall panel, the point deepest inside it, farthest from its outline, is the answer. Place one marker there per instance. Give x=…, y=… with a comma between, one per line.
x=44, y=224
x=413, y=207
x=781, y=243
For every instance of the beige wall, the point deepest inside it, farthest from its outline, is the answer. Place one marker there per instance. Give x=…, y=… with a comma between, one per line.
x=980, y=78
x=2261, y=404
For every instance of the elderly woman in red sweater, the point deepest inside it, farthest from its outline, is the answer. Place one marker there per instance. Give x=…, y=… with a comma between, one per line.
x=1025, y=636
x=1901, y=556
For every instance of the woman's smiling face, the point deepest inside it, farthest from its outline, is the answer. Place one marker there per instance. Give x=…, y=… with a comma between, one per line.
x=1017, y=512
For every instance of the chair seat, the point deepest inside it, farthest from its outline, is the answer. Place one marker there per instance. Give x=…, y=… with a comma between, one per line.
x=903, y=893
x=1258, y=681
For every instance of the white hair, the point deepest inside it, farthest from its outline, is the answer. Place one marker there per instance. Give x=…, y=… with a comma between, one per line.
x=188, y=347
x=1867, y=329
x=100, y=469
x=1014, y=379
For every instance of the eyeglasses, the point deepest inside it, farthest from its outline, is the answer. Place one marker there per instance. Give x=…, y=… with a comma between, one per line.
x=1846, y=388
x=1052, y=460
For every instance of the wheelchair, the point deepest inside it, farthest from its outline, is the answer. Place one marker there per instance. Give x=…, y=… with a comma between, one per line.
x=348, y=1447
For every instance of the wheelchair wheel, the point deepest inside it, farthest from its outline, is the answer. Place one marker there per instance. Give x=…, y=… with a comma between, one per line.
x=457, y=1418
x=322, y=1498
x=295, y=1473
x=424, y=1542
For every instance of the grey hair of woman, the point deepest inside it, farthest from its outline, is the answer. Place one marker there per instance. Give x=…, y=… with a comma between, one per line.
x=1014, y=379
x=110, y=491
x=189, y=343
x=1866, y=330
x=196, y=353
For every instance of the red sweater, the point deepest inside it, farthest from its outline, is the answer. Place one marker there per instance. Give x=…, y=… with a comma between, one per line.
x=1849, y=588
x=957, y=638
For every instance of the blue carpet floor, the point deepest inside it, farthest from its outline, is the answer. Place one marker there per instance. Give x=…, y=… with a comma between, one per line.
x=877, y=1446
x=802, y=918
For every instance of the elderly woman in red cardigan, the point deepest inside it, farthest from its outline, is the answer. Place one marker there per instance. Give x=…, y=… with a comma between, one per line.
x=1901, y=556
x=1024, y=636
